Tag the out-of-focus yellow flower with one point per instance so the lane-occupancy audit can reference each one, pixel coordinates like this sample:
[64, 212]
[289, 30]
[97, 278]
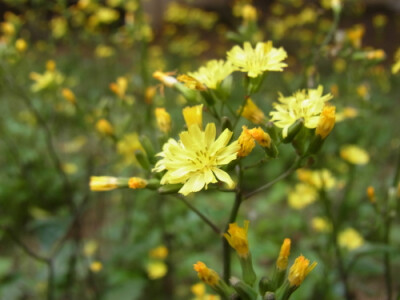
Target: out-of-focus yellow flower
[396, 64]
[354, 155]
[156, 269]
[90, 248]
[119, 87]
[249, 13]
[195, 159]
[326, 121]
[127, 145]
[252, 113]
[299, 270]
[301, 196]
[8, 29]
[69, 95]
[160, 252]
[307, 105]
[193, 115]
[70, 168]
[137, 183]
[355, 35]
[213, 73]
[379, 20]
[104, 183]
[59, 27]
[21, 45]
[318, 178]
[74, 145]
[96, 266]
[347, 113]
[378, 54]
[237, 238]
[107, 15]
[350, 239]
[255, 61]
[199, 290]
[191, 82]
[262, 137]
[104, 127]
[50, 77]
[339, 65]
[321, 224]
[165, 78]
[371, 194]
[284, 253]
[205, 274]
[149, 94]
[104, 51]
[246, 142]
[163, 119]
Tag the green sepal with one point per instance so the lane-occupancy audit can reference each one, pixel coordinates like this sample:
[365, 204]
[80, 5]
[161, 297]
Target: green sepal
[142, 159]
[170, 188]
[264, 285]
[315, 145]
[248, 274]
[245, 291]
[148, 148]
[293, 130]
[190, 95]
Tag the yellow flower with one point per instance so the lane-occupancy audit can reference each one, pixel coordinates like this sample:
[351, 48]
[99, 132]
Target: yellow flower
[127, 145]
[246, 142]
[237, 238]
[103, 51]
[396, 64]
[163, 119]
[160, 252]
[213, 73]
[195, 159]
[302, 196]
[69, 95]
[193, 115]
[379, 20]
[347, 113]
[249, 12]
[354, 155]
[96, 266]
[264, 57]
[104, 127]
[90, 248]
[198, 289]
[106, 15]
[350, 239]
[149, 94]
[371, 194]
[307, 105]
[376, 54]
[321, 224]
[355, 35]
[49, 78]
[252, 113]
[156, 269]
[103, 183]
[205, 274]
[191, 82]
[21, 45]
[59, 27]
[282, 260]
[299, 270]
[119, 87]
[261, 137]
[137, 183]
[165, 78]
[326, 121]
[318, 178]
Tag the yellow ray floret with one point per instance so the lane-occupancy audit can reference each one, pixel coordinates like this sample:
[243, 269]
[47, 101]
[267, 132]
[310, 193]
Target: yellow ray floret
[195, 159]
[255, 61]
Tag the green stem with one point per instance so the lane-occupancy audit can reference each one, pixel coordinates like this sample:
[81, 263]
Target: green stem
[289, 171]
[200, 214]
[240, 112]
[334, 239]
[226, 249]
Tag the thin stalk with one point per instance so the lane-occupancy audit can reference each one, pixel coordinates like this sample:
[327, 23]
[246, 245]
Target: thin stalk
[240, 112]
[289, 171]
[226, 249]
[200, 214]
[334, 239]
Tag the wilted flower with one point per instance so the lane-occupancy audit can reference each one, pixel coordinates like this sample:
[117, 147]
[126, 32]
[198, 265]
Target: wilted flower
[163, 119]
[205, 274]
[299, 270]
[251, 112]
[237, 238]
